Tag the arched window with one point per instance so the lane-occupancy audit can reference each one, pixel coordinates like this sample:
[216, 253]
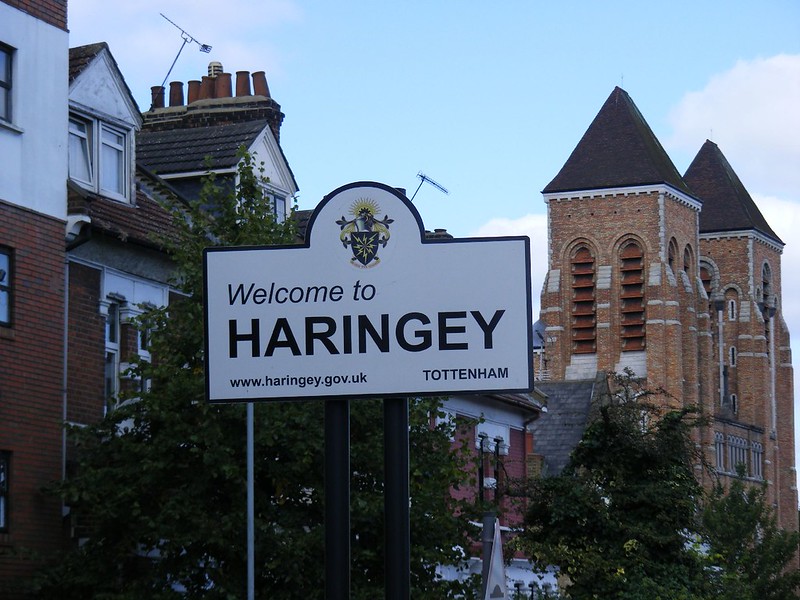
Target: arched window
[672, 255]
[757, 459]
[732, 354]
[734, 403]
[731, 309]
[632, 307]
[584, 318]
[737, 453]
[719, 450]
[707, 277]
[688, 261]
[766, 281]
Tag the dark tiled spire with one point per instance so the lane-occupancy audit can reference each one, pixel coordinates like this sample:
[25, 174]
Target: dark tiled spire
[727, 206]
[618, 150]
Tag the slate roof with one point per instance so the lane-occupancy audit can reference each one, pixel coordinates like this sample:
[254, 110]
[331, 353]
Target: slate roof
[185, 149]
[727, 206]
[618, 150]
[557, 432]
[81, 56]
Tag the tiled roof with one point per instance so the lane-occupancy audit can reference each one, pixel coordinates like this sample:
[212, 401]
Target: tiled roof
[81, 56]
[144, 222]
[618, 150]
[727, 206]
[186, 149]
[557, 432]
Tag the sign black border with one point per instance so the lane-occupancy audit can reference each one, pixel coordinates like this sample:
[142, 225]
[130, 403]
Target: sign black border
[307, 244]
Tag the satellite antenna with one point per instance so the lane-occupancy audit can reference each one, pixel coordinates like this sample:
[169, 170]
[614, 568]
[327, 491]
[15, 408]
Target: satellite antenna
[186, 39]
[425, 179]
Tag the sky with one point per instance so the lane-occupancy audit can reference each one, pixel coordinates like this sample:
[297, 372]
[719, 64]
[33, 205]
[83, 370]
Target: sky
[489, 99]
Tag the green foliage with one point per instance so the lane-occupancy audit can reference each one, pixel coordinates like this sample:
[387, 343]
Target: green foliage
[616, 521]
[750, 557]
[160, 482]
[628, 520]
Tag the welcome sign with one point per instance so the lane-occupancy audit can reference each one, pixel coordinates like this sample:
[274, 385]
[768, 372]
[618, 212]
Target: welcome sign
[368, 306]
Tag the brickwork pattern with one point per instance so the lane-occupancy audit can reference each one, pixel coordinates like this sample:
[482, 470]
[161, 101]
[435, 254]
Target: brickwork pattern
[53, 12]
[86, 343]
[31, 391]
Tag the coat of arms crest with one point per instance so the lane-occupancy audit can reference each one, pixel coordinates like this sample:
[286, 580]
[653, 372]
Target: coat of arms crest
[365, 232]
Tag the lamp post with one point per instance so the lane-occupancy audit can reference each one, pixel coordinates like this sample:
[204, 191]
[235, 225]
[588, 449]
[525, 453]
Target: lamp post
[497, 442]
[482, 437]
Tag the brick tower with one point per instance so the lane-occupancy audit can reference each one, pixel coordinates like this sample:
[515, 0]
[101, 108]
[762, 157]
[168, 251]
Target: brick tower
[677, 279]
[751, 387]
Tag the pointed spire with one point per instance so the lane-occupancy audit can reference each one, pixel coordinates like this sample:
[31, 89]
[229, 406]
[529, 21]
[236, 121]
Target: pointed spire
[727, 206]
[618, 150]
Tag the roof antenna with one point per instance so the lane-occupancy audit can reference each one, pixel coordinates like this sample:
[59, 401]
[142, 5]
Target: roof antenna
[186, 39]
[423, 179]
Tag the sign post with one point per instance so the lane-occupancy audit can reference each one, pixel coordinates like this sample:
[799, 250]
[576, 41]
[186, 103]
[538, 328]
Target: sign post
[368, 307]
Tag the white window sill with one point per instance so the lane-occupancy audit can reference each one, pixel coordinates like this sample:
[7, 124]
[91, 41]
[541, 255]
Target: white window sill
[11, 127]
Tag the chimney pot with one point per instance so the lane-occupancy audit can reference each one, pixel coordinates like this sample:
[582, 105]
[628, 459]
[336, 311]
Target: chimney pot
[176, 93]
[260, 87]
[207, 88]
[242, 83]
[223, 86]
[157, 96]
[194, 91]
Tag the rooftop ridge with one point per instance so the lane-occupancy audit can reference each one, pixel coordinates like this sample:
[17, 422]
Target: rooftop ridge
[618, 150]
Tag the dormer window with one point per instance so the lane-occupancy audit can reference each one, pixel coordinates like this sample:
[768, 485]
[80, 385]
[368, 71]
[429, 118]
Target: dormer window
[98, 156]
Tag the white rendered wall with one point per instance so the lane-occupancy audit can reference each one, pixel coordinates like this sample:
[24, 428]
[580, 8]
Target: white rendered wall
[33, 148]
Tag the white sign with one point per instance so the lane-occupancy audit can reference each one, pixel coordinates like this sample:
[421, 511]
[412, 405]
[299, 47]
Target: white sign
[368, 307]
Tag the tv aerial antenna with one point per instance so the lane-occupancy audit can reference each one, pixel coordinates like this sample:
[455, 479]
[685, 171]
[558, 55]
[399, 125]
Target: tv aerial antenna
[425, 179]
[187, 38]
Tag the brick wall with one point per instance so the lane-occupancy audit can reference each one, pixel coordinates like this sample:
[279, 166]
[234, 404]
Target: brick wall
[53, 12]
[31, 375]
[86, 344]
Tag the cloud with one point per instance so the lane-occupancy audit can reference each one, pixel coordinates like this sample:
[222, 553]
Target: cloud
[535, 227]
[750, 112]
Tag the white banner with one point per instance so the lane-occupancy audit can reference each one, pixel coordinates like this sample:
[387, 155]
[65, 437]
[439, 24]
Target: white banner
[368, 307]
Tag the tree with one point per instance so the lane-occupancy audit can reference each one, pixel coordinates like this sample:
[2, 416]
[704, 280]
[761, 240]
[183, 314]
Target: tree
[160, 482]
[618, 520]
[749, 555]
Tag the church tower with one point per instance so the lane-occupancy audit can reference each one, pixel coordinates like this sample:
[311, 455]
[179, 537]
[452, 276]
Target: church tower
[751, 392]
[622, 288]
[678, 280]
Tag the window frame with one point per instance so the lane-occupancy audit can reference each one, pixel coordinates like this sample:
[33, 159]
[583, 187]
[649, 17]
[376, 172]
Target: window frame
[7, 288]
[732, 312]
[757, 460]
[112, 309]
[7, 83]
[96, 145]
[719, 450]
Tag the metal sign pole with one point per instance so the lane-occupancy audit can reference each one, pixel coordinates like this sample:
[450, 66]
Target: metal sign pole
[397, 542]
[251, 536]
[337, 500]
